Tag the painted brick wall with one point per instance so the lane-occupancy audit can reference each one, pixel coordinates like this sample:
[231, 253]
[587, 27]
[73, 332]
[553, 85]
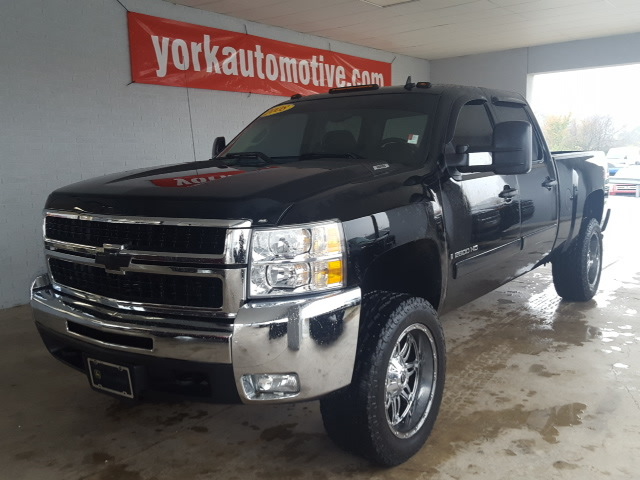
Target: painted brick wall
[68, 112]
[512, 69]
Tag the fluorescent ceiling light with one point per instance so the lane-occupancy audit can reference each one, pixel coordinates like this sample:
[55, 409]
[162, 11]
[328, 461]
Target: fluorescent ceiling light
[387, 3]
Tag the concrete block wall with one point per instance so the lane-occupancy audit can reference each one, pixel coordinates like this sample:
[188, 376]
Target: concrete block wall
[512, 69]
[68, 111]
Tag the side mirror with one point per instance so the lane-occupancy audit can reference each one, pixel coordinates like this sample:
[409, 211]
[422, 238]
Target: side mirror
[512, 148]
[218, 145]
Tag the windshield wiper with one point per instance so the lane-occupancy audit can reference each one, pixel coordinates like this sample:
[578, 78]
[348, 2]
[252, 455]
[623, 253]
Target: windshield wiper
[308, 155]
[255, 158]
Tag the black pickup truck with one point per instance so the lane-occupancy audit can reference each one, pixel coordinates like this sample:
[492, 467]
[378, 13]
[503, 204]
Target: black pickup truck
[309, 259]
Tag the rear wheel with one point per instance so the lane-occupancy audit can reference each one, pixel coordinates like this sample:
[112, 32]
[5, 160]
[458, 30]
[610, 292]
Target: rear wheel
[388, 411]
[576, 272]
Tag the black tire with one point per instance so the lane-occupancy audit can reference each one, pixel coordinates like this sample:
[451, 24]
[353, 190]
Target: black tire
[576, 272]
[389, 410]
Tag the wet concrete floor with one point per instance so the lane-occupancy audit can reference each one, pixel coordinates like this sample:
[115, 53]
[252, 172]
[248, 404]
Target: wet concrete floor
[536, 388]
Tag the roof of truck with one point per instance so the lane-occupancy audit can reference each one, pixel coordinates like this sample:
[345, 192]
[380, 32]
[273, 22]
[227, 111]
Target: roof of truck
[453, 91]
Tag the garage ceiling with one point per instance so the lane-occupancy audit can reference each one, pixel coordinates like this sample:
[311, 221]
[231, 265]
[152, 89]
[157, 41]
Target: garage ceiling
[433, 29]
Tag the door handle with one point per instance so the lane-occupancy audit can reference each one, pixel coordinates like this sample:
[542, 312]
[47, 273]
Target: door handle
[508, 192]
[549, 182]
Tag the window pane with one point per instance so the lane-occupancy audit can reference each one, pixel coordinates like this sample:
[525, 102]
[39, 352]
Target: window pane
[279, 137]
[405, 128]
[473, 127]
[388, 127]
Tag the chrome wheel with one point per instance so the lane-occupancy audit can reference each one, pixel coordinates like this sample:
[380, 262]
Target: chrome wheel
[389, 410]
[593, 259]
[410, 380]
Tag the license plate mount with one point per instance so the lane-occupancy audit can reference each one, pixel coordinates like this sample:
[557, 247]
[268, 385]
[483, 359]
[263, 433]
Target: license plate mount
[110, 377]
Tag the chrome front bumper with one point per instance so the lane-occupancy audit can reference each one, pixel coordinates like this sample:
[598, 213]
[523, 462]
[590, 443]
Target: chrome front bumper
[313, 337]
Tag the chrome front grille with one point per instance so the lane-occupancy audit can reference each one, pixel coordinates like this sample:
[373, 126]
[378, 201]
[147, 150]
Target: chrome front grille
[169, 266]
[178, 290]
[137, 236]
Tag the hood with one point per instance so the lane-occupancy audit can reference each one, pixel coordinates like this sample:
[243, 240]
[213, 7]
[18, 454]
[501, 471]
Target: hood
[211, 190]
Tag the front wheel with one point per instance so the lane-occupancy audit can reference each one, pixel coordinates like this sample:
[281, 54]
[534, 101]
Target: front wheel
[576, 272]
[388, 411]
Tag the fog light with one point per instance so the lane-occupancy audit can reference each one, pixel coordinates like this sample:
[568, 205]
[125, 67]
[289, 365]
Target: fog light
[276, 383]
[264, 383]
[271, 385]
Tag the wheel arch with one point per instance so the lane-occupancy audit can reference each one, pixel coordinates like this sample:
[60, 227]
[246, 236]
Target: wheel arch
[414, 268]
[594, 206]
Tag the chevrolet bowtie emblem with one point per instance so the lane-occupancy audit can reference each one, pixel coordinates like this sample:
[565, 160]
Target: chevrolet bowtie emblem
[112, 258]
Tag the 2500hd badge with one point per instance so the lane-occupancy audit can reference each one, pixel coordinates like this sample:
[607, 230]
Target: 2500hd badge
[464, 252]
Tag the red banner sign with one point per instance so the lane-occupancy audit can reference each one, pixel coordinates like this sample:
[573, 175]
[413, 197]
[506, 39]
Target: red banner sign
[167, 52]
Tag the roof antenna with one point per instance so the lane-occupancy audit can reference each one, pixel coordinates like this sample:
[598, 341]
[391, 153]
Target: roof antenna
[408, 85]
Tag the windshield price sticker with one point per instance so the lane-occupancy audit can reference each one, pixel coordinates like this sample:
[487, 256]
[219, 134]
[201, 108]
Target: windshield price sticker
[278, 109]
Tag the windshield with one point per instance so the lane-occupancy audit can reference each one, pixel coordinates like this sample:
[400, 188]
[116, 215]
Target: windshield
[393, 128]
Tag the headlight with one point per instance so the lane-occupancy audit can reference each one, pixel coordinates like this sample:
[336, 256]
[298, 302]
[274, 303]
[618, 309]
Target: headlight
[292, 260]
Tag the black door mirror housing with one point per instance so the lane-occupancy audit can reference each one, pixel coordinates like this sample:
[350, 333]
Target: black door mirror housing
[512, 148]
[219, 144]
[459, 157]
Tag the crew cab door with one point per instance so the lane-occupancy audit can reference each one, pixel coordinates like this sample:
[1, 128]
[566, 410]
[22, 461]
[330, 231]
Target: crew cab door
[481, 212]
[538, 188]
